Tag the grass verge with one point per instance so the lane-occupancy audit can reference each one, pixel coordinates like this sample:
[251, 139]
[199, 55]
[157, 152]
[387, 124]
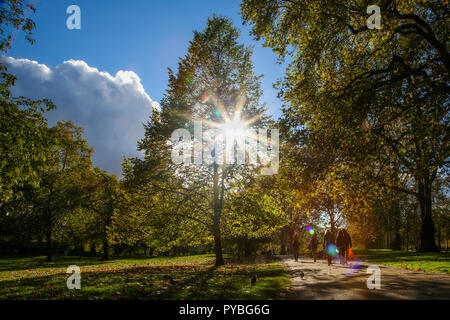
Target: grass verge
[193, 277]
[418, 261]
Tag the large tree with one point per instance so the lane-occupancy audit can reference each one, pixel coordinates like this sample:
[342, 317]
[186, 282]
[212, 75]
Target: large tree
[215, 84]
[56, 193]
[366, 97]
[23, 127]
[95, 194]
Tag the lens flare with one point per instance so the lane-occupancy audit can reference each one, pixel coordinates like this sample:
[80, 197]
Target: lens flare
[332, 250]
[310, 230]
[354, 267]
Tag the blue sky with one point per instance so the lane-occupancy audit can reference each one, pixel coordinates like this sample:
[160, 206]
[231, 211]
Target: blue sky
[143, 36]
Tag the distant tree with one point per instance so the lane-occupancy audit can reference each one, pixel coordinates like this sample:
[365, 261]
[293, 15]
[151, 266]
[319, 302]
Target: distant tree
[441, 207]
[251, 216]
[292, 189]
[99, 192]
[156, 220]
[57, 194]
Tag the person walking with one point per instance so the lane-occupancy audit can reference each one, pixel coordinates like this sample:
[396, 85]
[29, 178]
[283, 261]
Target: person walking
[313, 243]
[349, 243]
[328, 241]
[344, 243]
[295, 245]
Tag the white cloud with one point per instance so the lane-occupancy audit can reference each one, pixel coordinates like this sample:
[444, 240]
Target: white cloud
[111, 109]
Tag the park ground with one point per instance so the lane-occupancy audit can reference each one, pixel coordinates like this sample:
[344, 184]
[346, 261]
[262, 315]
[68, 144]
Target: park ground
[403, 276]
[189, 277]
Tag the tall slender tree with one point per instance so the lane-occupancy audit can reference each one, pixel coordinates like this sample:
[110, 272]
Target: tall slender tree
[215, 84]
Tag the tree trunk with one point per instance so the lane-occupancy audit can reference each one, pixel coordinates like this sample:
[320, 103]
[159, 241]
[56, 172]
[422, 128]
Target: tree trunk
[427, 242]
[407, 232]
[396, 242]
[217, 211]
[92, 249]
[49, 237]
[218, 248]
[332, 221]
[283, 241]
[105, 255]
[248, 249]
[80, 250]
[446, 241]
[439, 239]
[49, 246]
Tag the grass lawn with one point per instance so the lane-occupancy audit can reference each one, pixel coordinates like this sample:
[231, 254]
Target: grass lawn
[194, 277]
[431, 262]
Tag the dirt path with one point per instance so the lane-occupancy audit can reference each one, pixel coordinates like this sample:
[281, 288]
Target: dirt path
[339, 282]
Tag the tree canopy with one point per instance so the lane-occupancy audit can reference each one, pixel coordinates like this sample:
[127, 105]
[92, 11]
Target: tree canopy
[363, 97]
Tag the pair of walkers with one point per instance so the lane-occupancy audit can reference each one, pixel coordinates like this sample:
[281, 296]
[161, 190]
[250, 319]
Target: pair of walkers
[313, 244]
[342, 241]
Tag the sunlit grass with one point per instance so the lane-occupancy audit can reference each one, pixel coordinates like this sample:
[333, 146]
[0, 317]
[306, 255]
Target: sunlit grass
[194, 277]
[430, 262]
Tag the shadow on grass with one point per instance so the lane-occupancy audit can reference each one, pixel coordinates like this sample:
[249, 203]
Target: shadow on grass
[13, 263]
[155, 282]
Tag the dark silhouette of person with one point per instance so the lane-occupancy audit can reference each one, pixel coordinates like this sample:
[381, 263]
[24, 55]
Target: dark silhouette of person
[295, 245]
[328, 239]
[313, 243]
[344, 243]
[349, 241]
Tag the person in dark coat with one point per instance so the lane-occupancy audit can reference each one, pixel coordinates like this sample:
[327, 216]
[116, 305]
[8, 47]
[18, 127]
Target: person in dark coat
[328, 239]
[344, 243]
[295, 245]
[313, 243]
[349, 241]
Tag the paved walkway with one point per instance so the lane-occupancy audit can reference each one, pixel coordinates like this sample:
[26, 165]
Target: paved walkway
[338, 282]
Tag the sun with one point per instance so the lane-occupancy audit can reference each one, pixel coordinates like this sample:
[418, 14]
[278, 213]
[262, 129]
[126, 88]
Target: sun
[233, 128]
